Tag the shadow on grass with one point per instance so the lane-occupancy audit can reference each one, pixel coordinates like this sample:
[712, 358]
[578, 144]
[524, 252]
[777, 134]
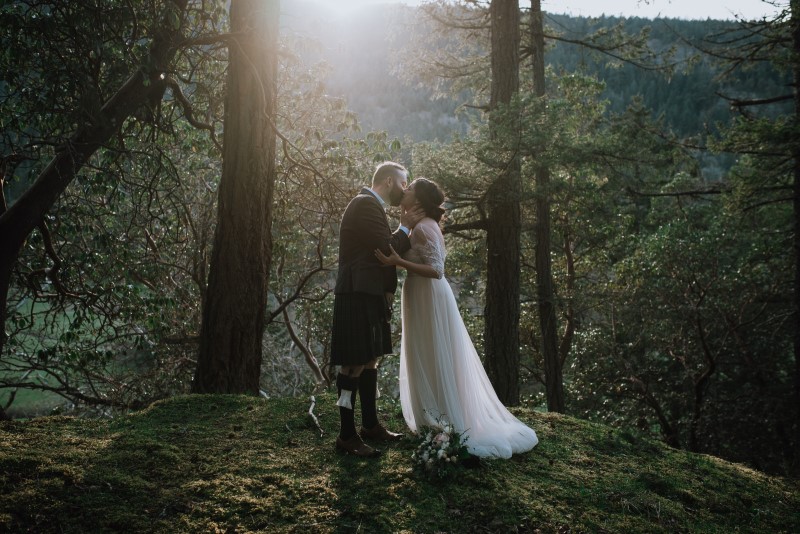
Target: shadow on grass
[229, 463]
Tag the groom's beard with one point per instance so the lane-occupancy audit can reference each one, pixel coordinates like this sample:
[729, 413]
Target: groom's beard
[395, 196]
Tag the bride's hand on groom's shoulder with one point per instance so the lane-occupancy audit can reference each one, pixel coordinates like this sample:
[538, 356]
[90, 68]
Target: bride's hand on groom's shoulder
[410, 218]
[392, 259]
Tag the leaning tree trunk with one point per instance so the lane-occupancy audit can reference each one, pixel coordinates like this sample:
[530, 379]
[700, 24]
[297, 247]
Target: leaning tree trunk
[503, 227]
[544, 277]
[229, 359]
[144, 87]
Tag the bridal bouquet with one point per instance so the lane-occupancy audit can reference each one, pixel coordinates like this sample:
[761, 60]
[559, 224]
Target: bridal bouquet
[441, 450]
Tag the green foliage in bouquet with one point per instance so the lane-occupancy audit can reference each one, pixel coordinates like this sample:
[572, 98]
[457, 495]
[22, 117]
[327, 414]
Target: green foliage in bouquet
[441, 451]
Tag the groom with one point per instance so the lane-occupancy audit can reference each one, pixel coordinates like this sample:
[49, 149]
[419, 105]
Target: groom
[363, 304]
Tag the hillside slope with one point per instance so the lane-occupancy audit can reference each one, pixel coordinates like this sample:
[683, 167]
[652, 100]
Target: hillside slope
[244, 464]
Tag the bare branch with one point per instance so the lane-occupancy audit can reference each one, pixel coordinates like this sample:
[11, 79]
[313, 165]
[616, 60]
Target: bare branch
[460, 227]
[307, 354]
[172, 83]
[314, 417]
[694, 193]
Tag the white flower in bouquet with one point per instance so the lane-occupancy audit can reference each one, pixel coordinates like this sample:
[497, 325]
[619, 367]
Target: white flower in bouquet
[441, 449]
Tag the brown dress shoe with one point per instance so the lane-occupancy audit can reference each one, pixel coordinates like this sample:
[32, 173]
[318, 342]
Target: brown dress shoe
[356, 447]
[379, 433]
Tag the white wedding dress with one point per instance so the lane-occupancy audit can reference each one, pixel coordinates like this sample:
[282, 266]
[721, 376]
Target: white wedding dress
[442, 379]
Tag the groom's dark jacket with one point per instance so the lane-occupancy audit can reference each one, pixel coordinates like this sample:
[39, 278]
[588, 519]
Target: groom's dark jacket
[365, 228]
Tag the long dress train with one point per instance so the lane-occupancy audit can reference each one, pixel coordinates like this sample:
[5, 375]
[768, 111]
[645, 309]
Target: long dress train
[441, 376]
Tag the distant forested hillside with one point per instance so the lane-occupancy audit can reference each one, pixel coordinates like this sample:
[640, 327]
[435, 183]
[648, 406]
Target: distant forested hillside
[361, 51]
[690, 100]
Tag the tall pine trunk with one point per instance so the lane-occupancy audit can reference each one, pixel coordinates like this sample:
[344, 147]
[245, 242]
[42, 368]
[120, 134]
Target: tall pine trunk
[795, 21]
[544, 276]
[503, 228]
[234, 306]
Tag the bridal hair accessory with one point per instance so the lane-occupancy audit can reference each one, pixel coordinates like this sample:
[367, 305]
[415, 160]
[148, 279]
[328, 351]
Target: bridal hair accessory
[344, 399]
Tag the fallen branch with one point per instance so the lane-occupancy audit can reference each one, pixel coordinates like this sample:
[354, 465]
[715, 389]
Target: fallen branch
[314, 417]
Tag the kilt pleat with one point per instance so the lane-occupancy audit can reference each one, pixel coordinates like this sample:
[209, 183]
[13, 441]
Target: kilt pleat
[361, 330]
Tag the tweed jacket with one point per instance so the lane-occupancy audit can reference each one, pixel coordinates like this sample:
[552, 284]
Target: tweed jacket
[363, 229]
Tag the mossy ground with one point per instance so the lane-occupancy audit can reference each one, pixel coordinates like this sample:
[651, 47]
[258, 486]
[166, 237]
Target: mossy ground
[242, 464]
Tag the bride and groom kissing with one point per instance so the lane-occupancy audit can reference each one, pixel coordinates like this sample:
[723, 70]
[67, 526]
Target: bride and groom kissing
[442, 380]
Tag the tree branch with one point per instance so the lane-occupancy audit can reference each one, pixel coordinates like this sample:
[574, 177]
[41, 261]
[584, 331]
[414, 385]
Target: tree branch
[694, 193]
[309, 356]
[460, 227]
[172, 83]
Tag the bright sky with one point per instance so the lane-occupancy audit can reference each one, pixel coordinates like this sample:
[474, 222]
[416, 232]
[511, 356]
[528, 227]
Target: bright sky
[683, 9]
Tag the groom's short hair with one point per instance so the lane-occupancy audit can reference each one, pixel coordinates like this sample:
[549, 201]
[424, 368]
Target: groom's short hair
[385, 170]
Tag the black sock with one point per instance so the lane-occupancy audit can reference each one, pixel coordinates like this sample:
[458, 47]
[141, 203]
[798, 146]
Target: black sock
[367, 389]
[347, 415]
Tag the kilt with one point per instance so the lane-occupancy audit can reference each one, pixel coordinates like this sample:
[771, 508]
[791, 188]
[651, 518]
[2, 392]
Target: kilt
[361, 330]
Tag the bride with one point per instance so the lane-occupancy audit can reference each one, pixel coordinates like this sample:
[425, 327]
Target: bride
[441, 377]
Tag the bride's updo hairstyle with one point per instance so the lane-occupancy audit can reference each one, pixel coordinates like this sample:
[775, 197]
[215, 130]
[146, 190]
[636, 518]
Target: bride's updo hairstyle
[430, 197]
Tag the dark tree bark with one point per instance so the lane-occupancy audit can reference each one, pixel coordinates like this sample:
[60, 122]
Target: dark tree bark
[143, 87]
[503, 226]
[548, 322]
[795, 21]
[234, 307]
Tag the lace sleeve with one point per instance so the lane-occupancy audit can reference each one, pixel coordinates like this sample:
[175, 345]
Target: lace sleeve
[428, 242]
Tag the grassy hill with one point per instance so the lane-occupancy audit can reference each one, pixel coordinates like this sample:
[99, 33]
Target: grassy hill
[244, 464]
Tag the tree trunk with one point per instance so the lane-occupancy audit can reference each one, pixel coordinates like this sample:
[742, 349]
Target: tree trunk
[544, 278]
[795, 21]
[554, 382]
[503, 226]
[143, 87]
[234, 307]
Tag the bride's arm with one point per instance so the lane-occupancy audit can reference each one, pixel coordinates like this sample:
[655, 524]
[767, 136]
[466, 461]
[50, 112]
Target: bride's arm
[394, 258]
